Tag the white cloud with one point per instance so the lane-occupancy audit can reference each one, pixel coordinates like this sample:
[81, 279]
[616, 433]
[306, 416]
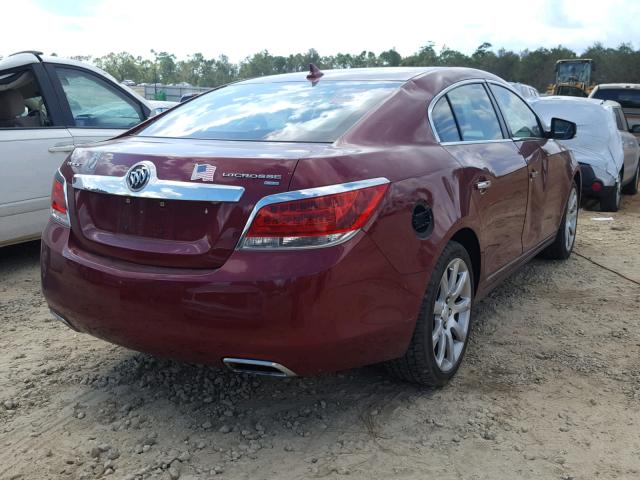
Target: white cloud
[241, 28]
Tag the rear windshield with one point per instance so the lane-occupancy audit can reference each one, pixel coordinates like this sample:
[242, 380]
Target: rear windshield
[627, 97]
[278, 112]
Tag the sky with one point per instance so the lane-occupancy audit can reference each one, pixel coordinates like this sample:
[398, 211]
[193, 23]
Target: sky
[240, 28]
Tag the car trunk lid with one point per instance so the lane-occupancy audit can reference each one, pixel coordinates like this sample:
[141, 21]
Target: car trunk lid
[157, 225]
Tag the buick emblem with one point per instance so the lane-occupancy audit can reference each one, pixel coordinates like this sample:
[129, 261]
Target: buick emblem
[138, 177]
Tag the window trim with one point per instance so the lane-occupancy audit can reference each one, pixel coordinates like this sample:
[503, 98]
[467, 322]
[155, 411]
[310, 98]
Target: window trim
[535, 115]
[444, 92]
[69, 120]
[453, 115]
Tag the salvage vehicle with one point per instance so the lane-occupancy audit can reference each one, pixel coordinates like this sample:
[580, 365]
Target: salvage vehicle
[628, 96]
[298, 224]
[609, 155]
[49, 105]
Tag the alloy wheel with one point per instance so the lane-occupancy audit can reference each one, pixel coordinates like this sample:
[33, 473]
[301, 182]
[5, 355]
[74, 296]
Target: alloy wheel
[571, 219]
[451, 315]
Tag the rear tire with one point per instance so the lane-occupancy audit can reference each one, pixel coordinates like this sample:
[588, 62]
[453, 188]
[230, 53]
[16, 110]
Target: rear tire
[632, 188]
[610, 202]
[442, 329]
[562, 246]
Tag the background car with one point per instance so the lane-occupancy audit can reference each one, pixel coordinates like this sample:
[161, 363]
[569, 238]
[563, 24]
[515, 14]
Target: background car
[188, 96]
[627, 95]
[607, 152]
[48, 106]
[160, 106]
[526, 91]
[299, 224]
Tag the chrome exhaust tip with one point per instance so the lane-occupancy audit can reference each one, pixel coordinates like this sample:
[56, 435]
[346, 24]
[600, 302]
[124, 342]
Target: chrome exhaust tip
[60, 318]
[257, 367]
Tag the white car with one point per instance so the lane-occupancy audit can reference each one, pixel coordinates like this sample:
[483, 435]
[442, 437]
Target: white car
[159, 106]
[609, 155]
[526, 91]
[48, 106]
[628, 96]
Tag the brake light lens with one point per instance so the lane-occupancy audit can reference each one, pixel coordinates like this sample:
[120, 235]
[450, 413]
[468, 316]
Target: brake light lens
[59, 200]
[317, 218]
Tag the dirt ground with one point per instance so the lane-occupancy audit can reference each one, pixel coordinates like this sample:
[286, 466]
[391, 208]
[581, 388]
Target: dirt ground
[550, 389]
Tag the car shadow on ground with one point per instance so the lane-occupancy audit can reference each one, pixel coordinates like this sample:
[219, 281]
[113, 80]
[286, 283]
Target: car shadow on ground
[20, 255]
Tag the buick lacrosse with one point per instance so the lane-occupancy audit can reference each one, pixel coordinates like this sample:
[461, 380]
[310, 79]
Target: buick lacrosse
[306, 223]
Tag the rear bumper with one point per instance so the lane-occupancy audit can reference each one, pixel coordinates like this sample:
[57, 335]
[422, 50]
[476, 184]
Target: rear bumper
[590, 175]
[310, 311]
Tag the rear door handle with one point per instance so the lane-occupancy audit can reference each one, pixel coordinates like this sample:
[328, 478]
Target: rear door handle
[533, 174]
[482, 185]
[62, 147]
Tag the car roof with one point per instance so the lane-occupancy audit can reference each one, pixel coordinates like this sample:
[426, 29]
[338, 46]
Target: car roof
[606, 86]
[398, 74]
[27, 58]
[568, 103]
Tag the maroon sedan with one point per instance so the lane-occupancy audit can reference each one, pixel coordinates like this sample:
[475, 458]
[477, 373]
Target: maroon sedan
[298, 224]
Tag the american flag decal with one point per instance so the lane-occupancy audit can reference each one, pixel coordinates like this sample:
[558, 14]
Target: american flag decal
[203, 171]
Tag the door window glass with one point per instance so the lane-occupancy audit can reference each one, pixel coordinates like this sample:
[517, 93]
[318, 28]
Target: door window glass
[476, 116]
[444, 122]
[94, 103]
[21, 102]
[520, 119]
[620, 120]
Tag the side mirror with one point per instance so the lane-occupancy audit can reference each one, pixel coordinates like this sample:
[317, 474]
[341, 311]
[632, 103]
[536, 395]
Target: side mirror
[635, 128]
[562, 129]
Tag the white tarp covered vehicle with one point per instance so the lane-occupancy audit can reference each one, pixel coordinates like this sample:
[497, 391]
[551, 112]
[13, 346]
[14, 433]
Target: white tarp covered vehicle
[608, 154]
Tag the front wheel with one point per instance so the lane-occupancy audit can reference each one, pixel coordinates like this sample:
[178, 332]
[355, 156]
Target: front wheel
[562, 246]
[442, 329]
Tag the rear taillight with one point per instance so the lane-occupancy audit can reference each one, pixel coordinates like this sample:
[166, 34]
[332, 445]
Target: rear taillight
[59, 200]
[316, 217]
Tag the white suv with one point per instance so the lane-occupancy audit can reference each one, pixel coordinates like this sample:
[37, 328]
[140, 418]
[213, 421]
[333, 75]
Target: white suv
[628, 96]
[48, 106]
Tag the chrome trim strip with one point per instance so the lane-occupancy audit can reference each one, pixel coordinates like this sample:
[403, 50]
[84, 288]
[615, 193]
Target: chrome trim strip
[158, 189]
[284, 371]
[60, 318]
[473, 142]
[307, 193]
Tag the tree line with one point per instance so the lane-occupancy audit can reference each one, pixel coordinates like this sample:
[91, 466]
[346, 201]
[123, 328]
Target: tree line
[533, 67]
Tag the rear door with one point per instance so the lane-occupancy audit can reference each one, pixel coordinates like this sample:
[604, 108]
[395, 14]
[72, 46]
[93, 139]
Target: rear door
[545, 168]
[629, 146]
[95, 108]
[469, 128]
[33, 145]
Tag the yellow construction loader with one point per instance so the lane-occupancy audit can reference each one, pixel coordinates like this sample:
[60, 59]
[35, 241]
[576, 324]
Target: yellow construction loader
[573, 77]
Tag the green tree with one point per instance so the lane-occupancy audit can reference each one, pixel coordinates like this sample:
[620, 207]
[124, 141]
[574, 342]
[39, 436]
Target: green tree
[390, 58]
